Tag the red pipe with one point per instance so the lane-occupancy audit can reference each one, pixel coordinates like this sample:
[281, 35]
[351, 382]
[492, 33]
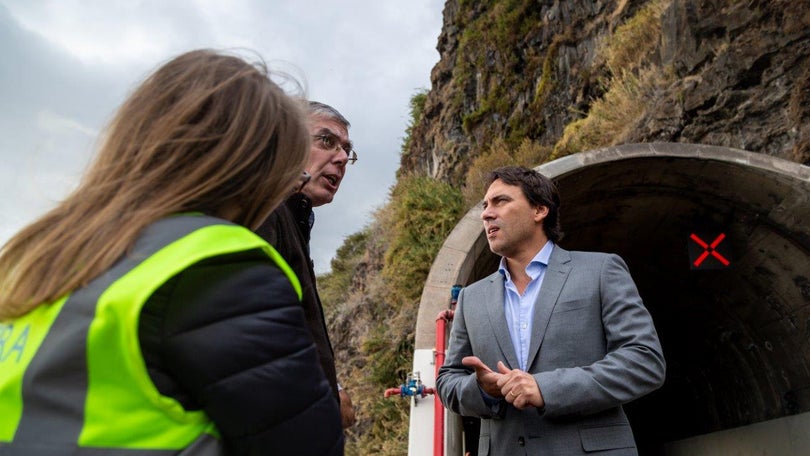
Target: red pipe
[442, 320]
[392, 391]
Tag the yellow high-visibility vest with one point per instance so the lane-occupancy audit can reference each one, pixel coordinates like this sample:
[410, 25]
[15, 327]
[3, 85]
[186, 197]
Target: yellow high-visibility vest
[72, 376]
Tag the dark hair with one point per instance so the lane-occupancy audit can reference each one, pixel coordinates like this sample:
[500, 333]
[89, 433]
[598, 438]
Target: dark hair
[538, 189]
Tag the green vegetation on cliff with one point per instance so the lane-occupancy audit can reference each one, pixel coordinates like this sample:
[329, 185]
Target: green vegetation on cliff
[523, 82]
[379, 318]
[630, 83]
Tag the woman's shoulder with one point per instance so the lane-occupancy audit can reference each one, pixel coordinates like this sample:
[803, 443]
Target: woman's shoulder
[227, 286]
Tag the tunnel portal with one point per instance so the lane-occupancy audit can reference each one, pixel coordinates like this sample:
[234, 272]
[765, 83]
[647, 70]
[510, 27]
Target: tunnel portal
[718, 242]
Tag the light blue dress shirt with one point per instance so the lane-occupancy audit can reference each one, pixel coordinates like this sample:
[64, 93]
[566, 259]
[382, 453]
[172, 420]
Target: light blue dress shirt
[519, 309]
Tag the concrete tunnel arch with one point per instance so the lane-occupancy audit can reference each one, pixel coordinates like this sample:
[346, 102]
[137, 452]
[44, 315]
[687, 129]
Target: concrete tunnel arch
[736, 338]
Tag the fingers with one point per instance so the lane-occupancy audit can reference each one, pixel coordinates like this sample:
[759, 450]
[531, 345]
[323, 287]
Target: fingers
[522, 391]
[508, 376]
[510, 388]
[516, 397]
[487, 379]
[520, 401]
[518, 388]
[475, 363]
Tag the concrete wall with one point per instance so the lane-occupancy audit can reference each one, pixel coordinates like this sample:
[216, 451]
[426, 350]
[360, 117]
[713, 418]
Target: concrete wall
[735, 340]
[789, 436]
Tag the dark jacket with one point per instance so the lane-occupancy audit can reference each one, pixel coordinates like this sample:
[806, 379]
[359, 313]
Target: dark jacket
[227, 336]
[288, 230]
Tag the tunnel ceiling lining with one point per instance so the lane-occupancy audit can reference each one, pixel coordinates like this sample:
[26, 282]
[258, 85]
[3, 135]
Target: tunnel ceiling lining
[737, 339]
[752, 319]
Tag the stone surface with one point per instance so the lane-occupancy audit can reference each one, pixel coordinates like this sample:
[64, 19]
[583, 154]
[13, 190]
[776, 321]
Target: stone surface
[741, 78]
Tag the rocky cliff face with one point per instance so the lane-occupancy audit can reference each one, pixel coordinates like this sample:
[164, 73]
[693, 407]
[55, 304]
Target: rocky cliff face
[720, 72]
[568, 75]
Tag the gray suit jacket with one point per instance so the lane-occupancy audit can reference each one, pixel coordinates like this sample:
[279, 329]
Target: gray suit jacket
[593, 348]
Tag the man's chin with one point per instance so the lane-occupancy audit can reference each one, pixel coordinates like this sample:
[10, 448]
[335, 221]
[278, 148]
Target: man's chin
[320, 198]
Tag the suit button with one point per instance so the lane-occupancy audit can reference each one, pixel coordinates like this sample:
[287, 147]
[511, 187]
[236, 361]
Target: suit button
[521, 441]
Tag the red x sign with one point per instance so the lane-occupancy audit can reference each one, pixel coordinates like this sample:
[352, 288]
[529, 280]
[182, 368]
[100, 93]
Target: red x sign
[700, 251]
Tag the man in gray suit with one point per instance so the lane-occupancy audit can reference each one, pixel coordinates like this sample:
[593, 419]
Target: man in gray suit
[548, 348]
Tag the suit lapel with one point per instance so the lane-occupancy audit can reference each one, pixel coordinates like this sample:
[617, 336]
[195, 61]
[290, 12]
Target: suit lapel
[497, 319]
[559, 267]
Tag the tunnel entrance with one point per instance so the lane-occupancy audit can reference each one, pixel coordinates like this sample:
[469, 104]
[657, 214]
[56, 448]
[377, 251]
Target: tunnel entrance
[733, 314]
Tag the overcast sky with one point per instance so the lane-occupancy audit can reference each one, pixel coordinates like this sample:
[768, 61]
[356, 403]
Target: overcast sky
[68, 64]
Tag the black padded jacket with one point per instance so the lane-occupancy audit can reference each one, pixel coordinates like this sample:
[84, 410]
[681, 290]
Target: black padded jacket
[288, 230]
[228, 336]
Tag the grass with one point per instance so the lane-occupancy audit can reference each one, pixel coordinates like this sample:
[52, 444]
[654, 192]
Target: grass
[628, 88]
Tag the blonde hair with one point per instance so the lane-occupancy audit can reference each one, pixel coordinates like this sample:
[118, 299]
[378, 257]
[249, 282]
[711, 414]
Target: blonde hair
[206, 132]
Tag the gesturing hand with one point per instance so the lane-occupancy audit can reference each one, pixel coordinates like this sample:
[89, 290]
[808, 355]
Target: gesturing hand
[487, 378]
[519, 388]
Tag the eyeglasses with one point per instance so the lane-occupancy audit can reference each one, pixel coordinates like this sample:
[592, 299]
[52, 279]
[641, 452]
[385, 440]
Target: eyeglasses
[302, 181]
[331, 142]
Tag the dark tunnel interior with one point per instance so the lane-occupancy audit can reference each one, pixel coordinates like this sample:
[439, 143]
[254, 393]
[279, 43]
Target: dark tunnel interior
[736, 337]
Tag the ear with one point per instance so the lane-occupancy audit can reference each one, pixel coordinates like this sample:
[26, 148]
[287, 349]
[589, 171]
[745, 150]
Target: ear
[540, 213]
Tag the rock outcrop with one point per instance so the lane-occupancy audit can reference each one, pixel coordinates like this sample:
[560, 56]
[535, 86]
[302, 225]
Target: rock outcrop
[569, 75]
[727, 72]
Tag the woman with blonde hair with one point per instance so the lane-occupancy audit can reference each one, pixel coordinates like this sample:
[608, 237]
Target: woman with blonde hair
[141, 316]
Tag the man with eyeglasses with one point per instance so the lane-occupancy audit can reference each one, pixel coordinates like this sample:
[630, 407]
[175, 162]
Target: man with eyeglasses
[289, 227]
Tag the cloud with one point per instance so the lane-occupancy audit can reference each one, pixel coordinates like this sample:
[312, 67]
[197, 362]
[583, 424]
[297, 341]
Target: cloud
[68, 64]
[56, 124]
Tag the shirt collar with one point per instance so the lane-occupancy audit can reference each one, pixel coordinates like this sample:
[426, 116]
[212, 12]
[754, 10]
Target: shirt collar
[535, 266]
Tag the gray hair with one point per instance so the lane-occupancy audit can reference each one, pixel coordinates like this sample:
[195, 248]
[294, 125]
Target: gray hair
[321, 109]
